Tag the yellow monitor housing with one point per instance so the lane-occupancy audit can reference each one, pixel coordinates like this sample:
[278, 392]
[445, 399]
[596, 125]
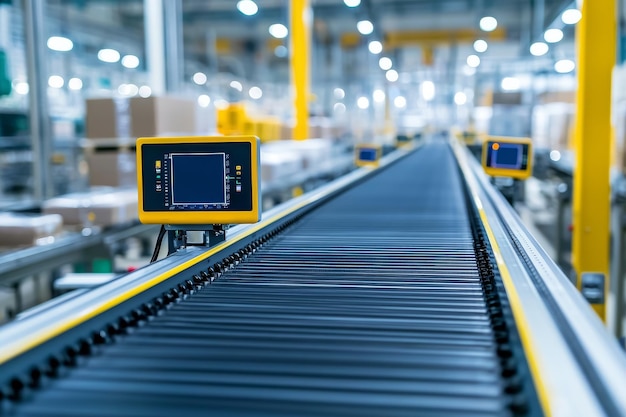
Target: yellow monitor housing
[403, 140]
[198, 180]
[507, 157]
[367, 155]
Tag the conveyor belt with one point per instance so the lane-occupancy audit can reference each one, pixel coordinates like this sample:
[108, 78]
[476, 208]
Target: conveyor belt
[372, 305]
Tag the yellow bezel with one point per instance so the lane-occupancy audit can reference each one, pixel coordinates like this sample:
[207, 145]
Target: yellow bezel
[502, 172]
[361, 163]
[200, 217]
[404, 143]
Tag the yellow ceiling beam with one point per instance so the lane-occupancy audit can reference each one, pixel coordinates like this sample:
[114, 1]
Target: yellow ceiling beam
[400, 39]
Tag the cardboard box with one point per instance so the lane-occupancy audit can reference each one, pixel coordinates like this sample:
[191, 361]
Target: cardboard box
[107, 118]
[99, 207]
[111, 162]
[18, 229]
[286, 131]
[112, 168]
[160, 116]
[278, 165]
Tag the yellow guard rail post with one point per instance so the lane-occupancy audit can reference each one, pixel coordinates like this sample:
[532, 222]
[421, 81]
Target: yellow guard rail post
[596, 39]
[300, 15]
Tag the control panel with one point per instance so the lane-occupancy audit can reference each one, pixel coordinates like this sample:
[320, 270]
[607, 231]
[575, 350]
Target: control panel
[198, 180]
[367, 155]
[507, 157]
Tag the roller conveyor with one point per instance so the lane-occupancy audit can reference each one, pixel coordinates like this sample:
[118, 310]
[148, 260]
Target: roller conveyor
[385, 300]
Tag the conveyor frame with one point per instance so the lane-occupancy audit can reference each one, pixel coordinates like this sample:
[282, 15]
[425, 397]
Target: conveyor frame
[590, 361]
[576, 373]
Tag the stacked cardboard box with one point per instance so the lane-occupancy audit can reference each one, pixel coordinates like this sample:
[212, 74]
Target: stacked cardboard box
[107, 118]
[111, 162]
[162, 116]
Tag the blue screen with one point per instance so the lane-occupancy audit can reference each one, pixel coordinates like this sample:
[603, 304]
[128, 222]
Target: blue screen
[198, 178]
[367, 154]
[508, 156]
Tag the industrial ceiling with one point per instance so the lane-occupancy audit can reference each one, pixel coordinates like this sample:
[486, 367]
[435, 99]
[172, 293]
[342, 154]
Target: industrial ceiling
[217, 27]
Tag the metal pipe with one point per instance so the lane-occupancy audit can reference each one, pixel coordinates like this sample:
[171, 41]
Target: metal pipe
[173, 26]
[40, 130]
[618, 267]
[5, 25]
[154, 38]
[539, 15]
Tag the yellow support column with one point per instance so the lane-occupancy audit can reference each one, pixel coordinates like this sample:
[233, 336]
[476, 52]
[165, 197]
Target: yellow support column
[300, 14]
[597, 37]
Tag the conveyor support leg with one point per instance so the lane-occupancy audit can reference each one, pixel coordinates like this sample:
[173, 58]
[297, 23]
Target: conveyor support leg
[299, 51]
[596, 38]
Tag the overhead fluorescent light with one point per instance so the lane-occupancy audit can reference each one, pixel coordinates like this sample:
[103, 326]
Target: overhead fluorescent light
[108, 55]
[60, 43]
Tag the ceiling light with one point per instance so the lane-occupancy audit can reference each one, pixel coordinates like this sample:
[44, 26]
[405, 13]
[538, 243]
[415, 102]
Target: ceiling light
[22, 88]
[339, 93]
[339, 108]
[60, 43]
[571, 16]
[363, 103]
[130, 61]
[399, 102]
[75, 84]
[555, 155]
[469, 71]
[145, 91]
[539, 48]
[199, 78]
[379, 96]
[488, 23]
[281, 51]
[128, 90]
[247, 7]
[473, 61]
[375, 47]
[480, 45]
[365, 27]
[392, 76]
[255, 93]
[564, 66]
[221, 104]
[56, 81]
[236, 85]
[204, 100]
[352, 3]
[428, 90]
[510, 84]
[278, 30]
[108, 55]
[385, 63]
[460, 98]
[553, 35]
